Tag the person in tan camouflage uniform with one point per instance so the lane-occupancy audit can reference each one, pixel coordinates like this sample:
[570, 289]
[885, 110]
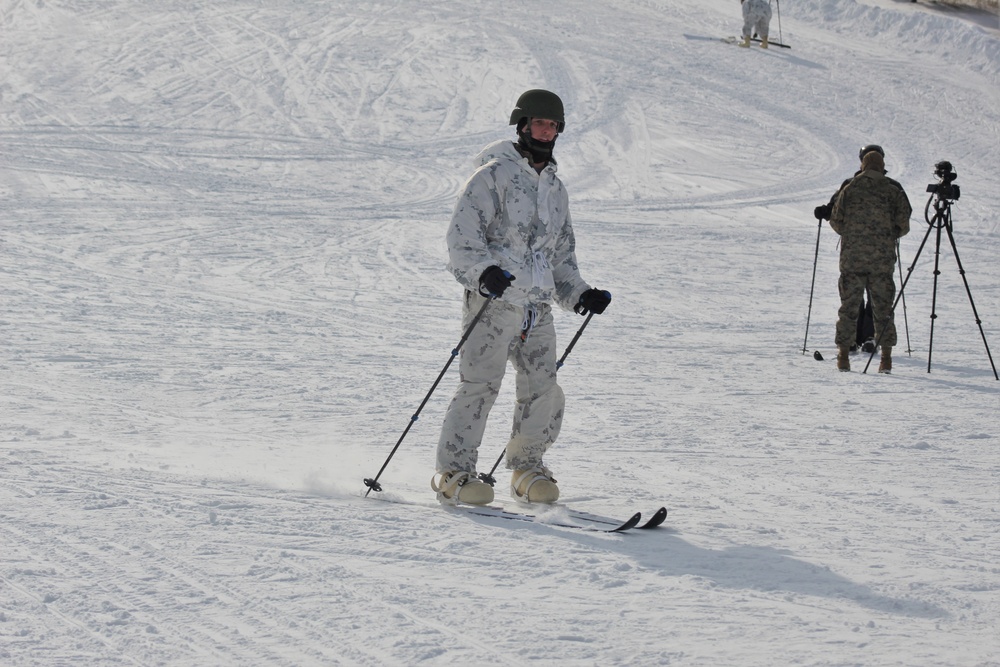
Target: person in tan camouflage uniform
[511, 241]
[865, 337]
[870, 213]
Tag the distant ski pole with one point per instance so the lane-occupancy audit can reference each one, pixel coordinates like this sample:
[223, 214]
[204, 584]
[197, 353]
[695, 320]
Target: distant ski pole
[819, 230]
[778, 4]
[372, 482]
[488, 476]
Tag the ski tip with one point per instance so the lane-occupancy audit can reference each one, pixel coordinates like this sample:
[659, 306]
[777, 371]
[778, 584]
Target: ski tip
[658, 518]
[628, 525]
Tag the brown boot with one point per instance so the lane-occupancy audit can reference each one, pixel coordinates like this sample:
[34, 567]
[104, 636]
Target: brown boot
[885, 365]
[843, 358]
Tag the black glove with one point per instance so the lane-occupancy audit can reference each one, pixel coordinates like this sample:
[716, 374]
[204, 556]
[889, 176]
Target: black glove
[593, 300]
[494, 281]
[822, 212]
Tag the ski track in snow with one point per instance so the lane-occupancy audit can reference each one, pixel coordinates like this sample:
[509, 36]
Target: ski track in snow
[224, 295]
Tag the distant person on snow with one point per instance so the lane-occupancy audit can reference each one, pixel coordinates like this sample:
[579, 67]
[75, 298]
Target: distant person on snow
[865, 334]
[870, 213]
[756, 19]
[511, 241]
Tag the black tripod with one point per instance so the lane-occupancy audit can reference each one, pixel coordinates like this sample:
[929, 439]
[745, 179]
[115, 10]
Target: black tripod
[942, 197]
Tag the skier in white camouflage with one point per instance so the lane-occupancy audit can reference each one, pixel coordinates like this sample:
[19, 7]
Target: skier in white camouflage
[756, 18]
[511, 241]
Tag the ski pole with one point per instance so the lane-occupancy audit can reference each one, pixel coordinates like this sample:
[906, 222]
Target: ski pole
[488, 476]
[569, 348]
[906, 324]
[780, 38]
[372, 483]
[819, 229]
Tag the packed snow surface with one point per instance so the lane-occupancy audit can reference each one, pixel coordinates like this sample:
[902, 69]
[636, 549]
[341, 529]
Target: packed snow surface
[224, 297]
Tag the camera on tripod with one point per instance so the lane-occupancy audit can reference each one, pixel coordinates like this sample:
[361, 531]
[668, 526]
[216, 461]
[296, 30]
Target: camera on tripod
[946, 189]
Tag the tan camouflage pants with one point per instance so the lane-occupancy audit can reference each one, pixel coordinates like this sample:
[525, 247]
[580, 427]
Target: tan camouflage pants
[852, 289]
[538, 412]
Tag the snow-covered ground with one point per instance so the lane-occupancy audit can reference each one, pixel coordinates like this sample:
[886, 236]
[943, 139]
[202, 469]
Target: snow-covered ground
[224, 296]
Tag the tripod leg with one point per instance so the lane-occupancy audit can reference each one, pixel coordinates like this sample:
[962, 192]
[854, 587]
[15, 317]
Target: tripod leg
[906, 323]
[937, 272]
[975, 313]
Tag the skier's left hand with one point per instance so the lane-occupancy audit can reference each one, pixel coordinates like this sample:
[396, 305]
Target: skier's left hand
[593, 300]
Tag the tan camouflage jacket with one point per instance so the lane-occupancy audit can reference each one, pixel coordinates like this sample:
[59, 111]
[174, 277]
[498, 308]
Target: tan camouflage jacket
[871, 212]
[512, 216]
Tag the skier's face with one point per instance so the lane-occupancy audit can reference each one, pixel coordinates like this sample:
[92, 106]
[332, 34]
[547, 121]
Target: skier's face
[543, 129]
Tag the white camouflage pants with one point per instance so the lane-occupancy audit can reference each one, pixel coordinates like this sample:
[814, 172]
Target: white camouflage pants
[756, 17]
[538, 412]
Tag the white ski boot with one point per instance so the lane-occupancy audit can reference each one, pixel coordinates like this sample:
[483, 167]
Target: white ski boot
[534, 485]
[462, 487]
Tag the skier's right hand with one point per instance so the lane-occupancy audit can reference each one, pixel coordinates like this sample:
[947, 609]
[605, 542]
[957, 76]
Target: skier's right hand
[593, 301]
[822, 212]
[494, 281]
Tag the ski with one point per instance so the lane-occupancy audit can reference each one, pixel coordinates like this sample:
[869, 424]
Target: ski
[738, 40]
[589, 522]
[613, 526]
[657, 519]
[770, 43]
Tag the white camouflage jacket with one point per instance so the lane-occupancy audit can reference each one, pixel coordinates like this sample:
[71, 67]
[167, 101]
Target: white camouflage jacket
[518, 219]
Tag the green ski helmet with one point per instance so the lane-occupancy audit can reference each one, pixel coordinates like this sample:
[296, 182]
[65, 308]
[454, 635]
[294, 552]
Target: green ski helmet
[538, 103]
[868, 149]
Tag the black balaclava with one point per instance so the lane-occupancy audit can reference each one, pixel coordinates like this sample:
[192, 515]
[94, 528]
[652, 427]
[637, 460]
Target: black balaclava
[540, 151]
